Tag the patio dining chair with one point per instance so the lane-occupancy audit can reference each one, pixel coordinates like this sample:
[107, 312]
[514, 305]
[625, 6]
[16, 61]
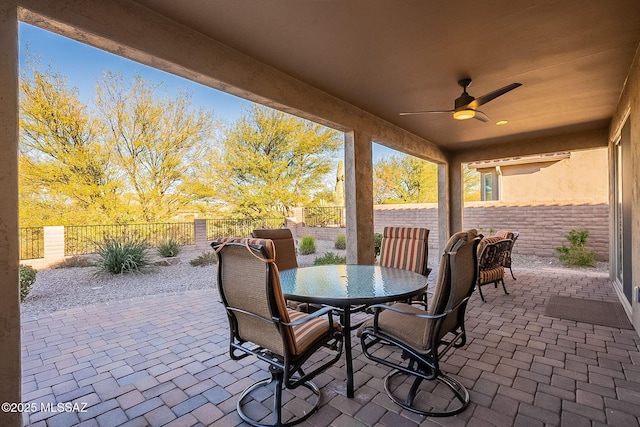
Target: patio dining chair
[422, 339]
[285, 246]
[262, 326]
[513, 236]
[406, 248]
[285, 258]
[491, 253]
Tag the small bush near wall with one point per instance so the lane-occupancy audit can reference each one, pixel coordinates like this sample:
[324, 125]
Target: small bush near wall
[330, 258]
[341, 242]
[307, 245]
[576, 254]
[27, 279]
[169, 249]
[206, 258]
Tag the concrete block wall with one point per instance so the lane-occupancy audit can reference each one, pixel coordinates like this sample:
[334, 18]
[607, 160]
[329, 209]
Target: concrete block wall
[409, 215]
[542, 226]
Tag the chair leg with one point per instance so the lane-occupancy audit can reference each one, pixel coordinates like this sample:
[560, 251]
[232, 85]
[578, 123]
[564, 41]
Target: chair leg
[481, 296]
[413, 391]
[277, 396]
[514, 277]
[504, 287]
[459, 395]
[277, 379]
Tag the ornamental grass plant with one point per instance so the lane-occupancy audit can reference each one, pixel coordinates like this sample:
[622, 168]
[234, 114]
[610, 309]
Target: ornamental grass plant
[122, 255]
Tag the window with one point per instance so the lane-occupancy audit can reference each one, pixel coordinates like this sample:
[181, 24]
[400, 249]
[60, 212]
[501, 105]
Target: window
[487, 186]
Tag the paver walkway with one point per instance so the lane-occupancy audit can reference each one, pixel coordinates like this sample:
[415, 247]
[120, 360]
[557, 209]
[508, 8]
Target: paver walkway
[164, 361]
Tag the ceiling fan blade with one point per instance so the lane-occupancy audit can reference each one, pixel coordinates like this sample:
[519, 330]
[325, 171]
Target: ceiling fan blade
[492, 95]
[481, 116]
[411, 113]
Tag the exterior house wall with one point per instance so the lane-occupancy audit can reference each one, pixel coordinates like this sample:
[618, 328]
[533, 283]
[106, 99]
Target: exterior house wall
[583, 176]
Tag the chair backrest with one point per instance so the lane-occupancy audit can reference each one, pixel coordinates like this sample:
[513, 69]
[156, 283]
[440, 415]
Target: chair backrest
[406, 248]
[512, 236]
[457, 275]
[504, 234]
[285, 246]
[492, 252]
[249, 287]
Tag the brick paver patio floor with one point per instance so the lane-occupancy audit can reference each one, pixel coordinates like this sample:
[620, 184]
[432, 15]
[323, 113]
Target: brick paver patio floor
[164, 361]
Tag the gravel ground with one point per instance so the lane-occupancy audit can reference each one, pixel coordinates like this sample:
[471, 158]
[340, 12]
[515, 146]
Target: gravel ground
[64, 288]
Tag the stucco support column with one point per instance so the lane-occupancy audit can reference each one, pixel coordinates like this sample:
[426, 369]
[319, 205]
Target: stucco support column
[443, 205]
[10, 372]
[359, 197]
[450, 200]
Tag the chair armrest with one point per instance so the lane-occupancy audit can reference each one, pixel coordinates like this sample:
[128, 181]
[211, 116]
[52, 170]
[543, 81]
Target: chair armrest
[326, 309]
[381, 307]
[378, 308]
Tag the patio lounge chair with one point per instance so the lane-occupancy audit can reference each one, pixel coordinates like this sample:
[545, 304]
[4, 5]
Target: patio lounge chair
[491, 253]
[513, 236]
[424, 338]
[261, 325]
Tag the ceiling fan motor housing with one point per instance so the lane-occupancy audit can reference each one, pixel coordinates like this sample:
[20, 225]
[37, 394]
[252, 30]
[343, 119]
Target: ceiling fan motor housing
[463, 101]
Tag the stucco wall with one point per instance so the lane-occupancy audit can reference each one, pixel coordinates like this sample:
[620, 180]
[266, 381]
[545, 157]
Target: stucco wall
[583, 176]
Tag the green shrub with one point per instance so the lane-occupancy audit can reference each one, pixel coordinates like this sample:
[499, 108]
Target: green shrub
[123, 255]
[207, 258]
[27, 279]
[169, 249]
[307, 245]
[377, 242]
[330, 258]
[341, 242]
[576, 254]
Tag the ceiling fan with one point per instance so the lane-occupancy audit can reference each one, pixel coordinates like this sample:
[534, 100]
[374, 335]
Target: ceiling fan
[465, 106]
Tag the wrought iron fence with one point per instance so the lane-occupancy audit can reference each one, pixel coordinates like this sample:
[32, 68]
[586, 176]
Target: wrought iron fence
[84, 239]
[31, 242]
[240, 227]
[324, 216]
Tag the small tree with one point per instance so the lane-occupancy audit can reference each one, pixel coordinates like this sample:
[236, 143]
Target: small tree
[576, 253]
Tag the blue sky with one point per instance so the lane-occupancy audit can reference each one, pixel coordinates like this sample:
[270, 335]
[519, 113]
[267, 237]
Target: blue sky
[84, 65]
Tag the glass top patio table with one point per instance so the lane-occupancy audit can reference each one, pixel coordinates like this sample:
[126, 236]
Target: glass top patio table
[345, 286]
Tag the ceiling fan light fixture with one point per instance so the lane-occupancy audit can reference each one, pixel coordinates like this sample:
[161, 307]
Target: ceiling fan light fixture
[464, 114]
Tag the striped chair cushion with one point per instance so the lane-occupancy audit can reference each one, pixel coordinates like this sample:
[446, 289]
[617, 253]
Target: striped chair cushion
[307, 333]
[491, 275]
[405, 248]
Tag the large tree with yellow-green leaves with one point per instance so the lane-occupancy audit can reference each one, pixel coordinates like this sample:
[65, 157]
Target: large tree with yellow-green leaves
[157, 142]
[134, 156]
[269, 162]
[402, 178]
[66, 173]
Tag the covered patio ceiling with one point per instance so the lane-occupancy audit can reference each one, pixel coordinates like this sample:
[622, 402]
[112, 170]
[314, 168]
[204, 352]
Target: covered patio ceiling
[386, 57]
